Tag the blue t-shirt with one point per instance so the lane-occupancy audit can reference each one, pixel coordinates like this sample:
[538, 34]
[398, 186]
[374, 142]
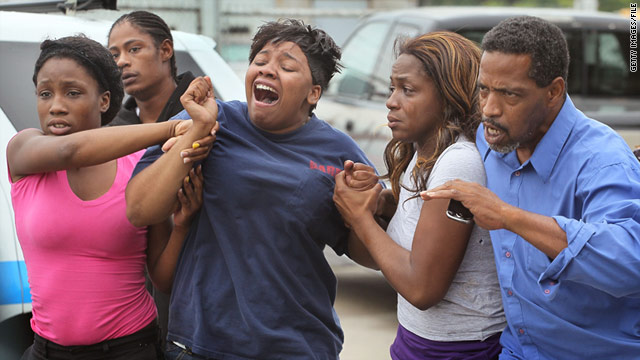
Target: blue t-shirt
[252, 281]
[585, 303]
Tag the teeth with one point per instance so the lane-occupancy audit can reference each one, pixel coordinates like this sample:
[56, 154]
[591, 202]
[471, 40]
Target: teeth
[264, 87]
[59, 126]
[493, 131]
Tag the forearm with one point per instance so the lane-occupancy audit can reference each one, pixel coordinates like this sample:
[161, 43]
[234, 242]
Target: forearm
[396, 264]
[107, 143]
[358, 252]
[151, 194]
[162, 267]
[541, 231]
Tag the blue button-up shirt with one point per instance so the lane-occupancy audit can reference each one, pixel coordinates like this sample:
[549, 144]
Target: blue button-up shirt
[585, 303]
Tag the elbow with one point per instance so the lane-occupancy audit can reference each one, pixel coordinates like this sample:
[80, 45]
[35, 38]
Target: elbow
[135, 212]
[424, 300]
[134, 216]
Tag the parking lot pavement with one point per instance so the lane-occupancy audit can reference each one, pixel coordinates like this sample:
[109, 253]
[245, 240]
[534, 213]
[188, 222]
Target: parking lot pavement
[366, 305]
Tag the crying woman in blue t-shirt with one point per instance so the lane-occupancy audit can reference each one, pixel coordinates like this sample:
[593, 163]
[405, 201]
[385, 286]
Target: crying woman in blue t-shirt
[251, 280]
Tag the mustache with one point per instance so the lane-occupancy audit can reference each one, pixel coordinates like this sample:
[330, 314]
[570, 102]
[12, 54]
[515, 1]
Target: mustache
[493, 123]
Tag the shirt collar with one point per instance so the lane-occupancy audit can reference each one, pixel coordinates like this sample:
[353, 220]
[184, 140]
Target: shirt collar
[548, 149]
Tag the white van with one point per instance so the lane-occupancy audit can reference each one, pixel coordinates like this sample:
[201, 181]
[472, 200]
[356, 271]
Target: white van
[20, 38]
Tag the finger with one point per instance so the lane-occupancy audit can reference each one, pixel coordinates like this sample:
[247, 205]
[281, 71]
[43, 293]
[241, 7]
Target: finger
[340, 179]
[362, 184]
[169, 144]
[438, 194]
[363, 167]
[364, 175]
[187, 185]
[348, 165]
[205, 141]
[184, 202]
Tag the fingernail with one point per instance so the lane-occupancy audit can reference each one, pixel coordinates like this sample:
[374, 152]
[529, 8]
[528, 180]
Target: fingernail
[187, 160]
[213, 132]
[186, 179]
[183, 154]
[195, 145]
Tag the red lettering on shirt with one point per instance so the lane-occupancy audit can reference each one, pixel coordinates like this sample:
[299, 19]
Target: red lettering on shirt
[328, 169]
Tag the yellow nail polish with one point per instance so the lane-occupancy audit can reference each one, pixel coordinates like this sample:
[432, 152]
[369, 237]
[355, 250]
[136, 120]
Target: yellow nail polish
[187, 179]
[195, 145]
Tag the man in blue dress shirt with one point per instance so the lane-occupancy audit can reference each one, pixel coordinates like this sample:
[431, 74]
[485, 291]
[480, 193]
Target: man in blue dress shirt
[562, 204]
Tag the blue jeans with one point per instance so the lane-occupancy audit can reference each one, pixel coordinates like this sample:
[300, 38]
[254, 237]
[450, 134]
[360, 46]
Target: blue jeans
[174, 352]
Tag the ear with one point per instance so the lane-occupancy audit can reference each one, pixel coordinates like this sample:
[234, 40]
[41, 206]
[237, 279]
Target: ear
[314, 94]
[166, 49]
[556, 91]
[105, 101]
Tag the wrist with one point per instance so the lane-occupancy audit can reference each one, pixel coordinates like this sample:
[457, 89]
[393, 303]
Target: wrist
[362, 222]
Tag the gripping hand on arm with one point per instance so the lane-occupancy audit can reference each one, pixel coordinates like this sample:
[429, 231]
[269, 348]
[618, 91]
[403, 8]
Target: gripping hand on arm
[491, 213]
[151, 195]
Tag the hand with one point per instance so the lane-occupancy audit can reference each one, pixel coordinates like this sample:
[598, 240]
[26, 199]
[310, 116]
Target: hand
[200, 148]
[359, 176]
[190, 198]
[200, 103]
[487, 208]
[354, 204]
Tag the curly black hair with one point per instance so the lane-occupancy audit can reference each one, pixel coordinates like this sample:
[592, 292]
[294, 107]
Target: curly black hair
[92, 56]
[154, 26]
[532, 36]
[322, 53]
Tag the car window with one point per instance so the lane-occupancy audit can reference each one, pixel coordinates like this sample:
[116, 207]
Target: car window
[606, 59]
[17, 94]
[360, 56]
[380, 78]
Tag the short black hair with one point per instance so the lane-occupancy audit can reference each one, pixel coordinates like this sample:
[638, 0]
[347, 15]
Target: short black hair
[543, 41]
[153, 25]
[92, 56]
[323, 55]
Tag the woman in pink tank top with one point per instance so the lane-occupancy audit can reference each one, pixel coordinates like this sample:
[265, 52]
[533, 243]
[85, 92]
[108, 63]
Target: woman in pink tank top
[85, 261]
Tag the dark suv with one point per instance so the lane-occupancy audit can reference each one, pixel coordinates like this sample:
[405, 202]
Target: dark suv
[600, 83]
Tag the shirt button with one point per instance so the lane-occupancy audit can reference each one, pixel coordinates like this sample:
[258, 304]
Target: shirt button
[517, 173]
[509, 292]
[507, 254]
[521, 331]
[547, 291]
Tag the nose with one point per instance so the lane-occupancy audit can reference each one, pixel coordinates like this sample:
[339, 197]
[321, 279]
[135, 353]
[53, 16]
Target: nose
[267, 70]
[122, 60]
[392, 101]
[57, 105]
[490, 105]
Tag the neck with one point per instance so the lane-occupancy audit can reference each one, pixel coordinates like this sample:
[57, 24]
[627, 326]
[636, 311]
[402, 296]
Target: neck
[151, 106]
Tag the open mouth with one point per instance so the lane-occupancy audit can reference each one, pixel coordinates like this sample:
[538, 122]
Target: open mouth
[265, 94]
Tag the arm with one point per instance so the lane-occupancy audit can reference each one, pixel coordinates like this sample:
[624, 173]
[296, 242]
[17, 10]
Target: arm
[422, 275]
[151, 194]
[163, 253]
[31, 151]
[491, 213]
[599, 250]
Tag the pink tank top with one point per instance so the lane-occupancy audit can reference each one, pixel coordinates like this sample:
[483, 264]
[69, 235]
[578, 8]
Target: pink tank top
[85, 261]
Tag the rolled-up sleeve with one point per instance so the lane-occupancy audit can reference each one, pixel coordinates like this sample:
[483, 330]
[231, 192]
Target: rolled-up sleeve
[604, 246]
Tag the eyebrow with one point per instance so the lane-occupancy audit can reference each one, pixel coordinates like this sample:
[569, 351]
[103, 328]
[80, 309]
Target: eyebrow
[503, 88]
[64, 83]
[285, 54]
[126, 43]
